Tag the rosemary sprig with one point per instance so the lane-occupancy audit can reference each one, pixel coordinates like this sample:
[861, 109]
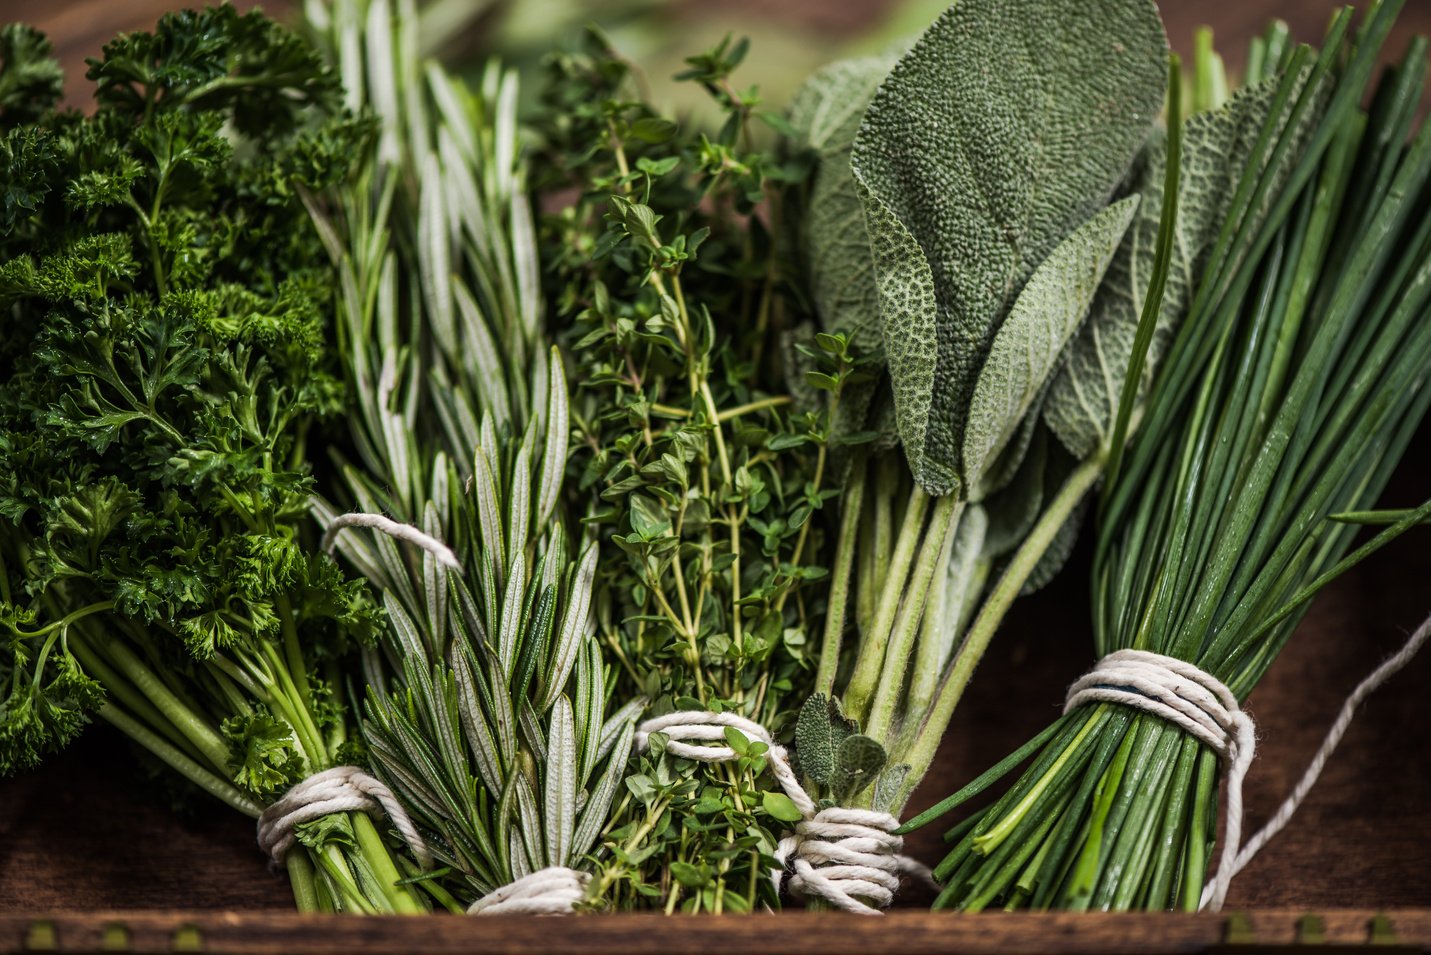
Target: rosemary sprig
[487, 707]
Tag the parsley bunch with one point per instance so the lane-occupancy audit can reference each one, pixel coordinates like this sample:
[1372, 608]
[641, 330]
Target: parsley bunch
[164, 357]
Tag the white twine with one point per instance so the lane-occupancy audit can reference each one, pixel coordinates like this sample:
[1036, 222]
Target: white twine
[340, 789]
[1201, 705]
[392, 528]
[552, 891]
[850, 858]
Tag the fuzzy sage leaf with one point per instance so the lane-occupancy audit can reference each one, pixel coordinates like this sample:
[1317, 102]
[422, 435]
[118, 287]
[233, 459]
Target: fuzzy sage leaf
[970, 177]
[1084, 396]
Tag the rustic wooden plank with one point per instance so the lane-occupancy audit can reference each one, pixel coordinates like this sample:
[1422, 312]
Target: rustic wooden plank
[917, 933]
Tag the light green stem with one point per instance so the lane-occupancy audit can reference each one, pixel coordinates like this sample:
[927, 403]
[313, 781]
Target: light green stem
[181, 764]
[890, 690]
[921, 750]
[185, 720]
[835, 616]
[375, 852]
[301, 880]
[870, 661]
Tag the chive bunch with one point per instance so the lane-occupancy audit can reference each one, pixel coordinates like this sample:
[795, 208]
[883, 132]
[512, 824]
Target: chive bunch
[1289, 395]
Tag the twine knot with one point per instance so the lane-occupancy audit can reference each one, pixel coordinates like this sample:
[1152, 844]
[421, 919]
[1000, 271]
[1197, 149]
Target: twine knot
[340, 789]
[1202, 706]
[850, 858]
[1199, 703]
[555, 890]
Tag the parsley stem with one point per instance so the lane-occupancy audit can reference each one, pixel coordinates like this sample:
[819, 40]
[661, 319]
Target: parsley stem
[213, 746]
[182, 764]
[300, 877]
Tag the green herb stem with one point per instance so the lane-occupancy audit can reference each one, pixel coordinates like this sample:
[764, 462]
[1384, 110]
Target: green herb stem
[873, 644]
[919, 753]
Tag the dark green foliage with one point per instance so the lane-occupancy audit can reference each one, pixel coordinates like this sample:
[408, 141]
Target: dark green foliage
[706, 485]
[1287, 398]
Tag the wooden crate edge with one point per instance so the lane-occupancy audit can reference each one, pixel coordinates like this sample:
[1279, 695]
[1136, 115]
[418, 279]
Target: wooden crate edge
[271, 933]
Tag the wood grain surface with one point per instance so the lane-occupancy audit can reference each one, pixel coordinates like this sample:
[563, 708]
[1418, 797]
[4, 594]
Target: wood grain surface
[88, 832]
[825, 933]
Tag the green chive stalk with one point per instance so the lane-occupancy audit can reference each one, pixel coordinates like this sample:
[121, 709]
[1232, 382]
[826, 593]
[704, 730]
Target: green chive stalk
[1287, 399]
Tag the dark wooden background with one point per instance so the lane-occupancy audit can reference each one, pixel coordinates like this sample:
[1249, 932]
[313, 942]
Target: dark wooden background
[88, 832]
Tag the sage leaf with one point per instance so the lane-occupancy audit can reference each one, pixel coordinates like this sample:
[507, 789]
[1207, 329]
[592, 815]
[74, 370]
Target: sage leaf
[1083, 400]
[857, 763]
[1027, 347]
[814, 740]
[971, 176]
[826, 112]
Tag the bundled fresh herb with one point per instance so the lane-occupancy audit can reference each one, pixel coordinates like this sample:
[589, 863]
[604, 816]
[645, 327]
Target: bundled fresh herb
[164, 357]
[1287, 397]
[973, 215]
[487, 707]
[703, 483]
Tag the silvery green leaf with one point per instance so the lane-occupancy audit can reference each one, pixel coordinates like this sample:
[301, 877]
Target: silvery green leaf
[489, 508]
[561, 773]
[530, 828]
[435, 255]
[531, 731]
[616, 724]
[815, 740]
[434, 584]
[1083, 401]
[525, 262]
[479, 735]
[445, 710]
[1027, 346]
[519, 500]
[887, 788]
[574, 626]
[449, 97]
[557, 426]
[382, 85]
[403, 628]
[504, 718]
[485, 371]
[590, 705]
[858, 760]
[510, 633]
[971, 176]
[827, 111]
[598, 804]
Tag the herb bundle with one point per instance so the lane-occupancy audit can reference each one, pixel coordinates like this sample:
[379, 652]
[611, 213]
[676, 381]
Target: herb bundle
[486, 710]
[1287, 397]
[951, 236]
[703, 483]
[164, 359]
